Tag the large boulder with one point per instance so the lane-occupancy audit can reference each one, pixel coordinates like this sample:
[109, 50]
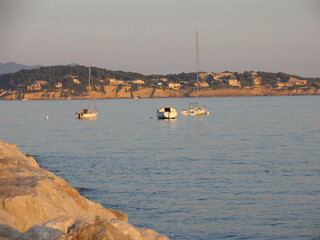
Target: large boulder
[34, 197]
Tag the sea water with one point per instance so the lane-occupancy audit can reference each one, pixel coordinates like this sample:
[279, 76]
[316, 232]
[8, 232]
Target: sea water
[249, 170]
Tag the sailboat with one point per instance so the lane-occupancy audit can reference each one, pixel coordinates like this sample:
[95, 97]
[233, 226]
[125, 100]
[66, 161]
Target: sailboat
[194, 108]
[87, 112]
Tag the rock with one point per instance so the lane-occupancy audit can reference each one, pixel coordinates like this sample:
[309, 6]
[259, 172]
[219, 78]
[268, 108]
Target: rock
[35, 198]
[7, 232]
[31, 195]
[114, 229]
[40, 233]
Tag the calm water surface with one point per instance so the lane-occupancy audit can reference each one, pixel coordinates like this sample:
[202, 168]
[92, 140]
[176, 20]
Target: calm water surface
[249, 170]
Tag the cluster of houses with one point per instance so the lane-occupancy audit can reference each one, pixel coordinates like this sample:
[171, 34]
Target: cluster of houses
[37, 85]
[113, 81]
[291, 83]
[226, 77]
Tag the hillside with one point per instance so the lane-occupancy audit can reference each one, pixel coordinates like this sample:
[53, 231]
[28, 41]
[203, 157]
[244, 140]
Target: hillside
[57, 82]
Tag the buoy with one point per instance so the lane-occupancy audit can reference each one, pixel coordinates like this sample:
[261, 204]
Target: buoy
[47, 117]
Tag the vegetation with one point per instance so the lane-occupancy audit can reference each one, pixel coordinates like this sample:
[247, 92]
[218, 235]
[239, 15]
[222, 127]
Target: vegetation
[68, 74]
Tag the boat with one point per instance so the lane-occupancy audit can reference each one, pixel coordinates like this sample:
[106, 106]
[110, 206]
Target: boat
[194, 109]
[167, 113]
[88, 113]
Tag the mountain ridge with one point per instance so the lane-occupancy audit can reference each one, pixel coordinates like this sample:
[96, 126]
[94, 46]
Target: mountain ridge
[12, 67]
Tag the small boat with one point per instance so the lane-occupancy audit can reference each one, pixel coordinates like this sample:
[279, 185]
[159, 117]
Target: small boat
[88, 113]
[166, 113]
[194, 108]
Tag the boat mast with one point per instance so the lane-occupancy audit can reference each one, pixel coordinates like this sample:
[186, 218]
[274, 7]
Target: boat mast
[197, 65]
[89, 84]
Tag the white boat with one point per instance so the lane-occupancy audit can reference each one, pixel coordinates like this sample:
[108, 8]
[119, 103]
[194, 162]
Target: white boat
[167, 113]
[88, 113]
[194, 108]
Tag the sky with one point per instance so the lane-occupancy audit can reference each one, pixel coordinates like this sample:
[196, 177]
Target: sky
[159, 36]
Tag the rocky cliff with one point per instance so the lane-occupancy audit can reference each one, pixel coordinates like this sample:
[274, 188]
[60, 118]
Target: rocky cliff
[126, 92]
[36, 204]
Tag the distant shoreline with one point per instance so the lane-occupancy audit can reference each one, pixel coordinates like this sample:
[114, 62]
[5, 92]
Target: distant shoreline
[112, 92]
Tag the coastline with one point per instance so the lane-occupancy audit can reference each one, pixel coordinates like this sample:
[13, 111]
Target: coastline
[112, 92]
[36, 204]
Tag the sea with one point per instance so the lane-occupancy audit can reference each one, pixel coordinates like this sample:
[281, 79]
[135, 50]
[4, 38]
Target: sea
[249, 170]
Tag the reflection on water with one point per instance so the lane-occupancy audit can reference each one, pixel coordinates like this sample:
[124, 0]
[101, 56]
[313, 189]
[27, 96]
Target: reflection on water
[249, 170]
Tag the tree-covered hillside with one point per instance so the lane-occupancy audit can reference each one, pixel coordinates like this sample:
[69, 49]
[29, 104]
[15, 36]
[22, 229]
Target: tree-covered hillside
[67, 75]
[55, 74]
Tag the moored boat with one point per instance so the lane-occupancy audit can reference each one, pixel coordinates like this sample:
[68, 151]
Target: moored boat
[194, 108]
[88, 113]
[166, 113]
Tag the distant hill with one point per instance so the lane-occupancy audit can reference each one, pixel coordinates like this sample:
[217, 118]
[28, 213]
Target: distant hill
[12, 67]
[67, 74]
[55, 74]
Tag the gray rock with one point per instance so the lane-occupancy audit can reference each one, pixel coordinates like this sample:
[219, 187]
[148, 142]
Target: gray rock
[7, 232]
[40, 233]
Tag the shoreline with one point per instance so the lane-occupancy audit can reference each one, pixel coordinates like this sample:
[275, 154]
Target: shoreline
[111, 92]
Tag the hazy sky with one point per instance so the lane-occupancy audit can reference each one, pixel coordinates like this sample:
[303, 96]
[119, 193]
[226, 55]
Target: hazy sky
[158, 36]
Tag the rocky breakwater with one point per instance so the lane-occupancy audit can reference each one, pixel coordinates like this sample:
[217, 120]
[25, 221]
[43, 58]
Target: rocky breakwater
[36, 204]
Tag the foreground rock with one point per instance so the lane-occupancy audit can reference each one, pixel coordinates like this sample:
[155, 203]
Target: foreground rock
[35, 199]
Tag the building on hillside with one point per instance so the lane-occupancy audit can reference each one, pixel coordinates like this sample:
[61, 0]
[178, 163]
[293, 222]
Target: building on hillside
[202, 84]
[76, 81]
[37, 85]
[138, 81]
[164, 79]
[254, 74]
[114, 81]
[292, 82]
[297, 82]
[283, 84]
[203, 75]
[34, 87]
[256, 81]
[174, 85]
[234, 83]
[58, 85]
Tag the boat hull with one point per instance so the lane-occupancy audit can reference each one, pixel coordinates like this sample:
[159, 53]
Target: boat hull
[195, 112]
[167, 113]
[87, 114]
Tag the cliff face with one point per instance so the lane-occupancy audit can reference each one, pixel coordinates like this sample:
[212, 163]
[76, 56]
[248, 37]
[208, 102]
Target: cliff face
[126, 92]
[34, 198]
